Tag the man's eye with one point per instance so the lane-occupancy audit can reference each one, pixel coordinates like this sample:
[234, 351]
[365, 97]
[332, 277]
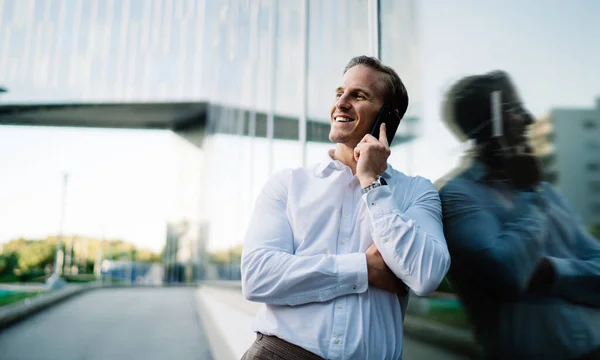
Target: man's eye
[337, 95]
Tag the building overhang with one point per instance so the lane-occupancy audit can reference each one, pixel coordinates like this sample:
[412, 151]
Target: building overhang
[164, 115]
[175, 116]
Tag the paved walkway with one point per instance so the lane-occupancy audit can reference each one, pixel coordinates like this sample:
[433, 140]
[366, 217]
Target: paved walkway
[232, 314]
[110, 324]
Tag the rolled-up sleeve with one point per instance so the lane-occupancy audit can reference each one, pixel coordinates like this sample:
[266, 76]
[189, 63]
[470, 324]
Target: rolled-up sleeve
[411, 242]
[273, 274]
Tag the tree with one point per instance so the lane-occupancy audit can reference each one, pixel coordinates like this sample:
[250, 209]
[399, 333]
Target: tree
[232, 255]
[8, 263]
[32, 257]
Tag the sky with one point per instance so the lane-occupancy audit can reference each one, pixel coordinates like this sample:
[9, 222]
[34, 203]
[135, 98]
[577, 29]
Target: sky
[123, 183]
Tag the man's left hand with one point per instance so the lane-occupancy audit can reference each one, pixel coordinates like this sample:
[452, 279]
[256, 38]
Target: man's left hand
[371, 155]
[380, 275]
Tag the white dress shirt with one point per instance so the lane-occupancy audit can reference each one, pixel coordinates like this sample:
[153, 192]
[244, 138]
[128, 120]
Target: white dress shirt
[304, 257]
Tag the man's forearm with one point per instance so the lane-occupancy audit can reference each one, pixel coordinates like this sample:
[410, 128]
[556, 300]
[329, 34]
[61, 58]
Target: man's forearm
[577, 280]
[412, 251]
[279, 278]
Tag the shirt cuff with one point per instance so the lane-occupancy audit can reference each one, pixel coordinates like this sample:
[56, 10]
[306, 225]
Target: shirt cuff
[352, 273]
[379, 201]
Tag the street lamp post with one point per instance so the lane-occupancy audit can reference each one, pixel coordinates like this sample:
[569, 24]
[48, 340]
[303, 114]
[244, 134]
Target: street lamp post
[58, 258]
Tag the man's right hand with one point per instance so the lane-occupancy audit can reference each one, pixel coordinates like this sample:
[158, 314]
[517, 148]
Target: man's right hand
[380, 275]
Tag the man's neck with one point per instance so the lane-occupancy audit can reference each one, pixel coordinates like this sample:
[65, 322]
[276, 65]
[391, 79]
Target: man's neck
[344, 154]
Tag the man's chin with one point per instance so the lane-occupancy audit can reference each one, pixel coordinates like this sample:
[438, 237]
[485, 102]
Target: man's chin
[338, 138]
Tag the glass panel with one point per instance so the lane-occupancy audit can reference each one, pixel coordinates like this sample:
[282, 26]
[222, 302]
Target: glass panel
[400, 48]
[286, 154]
[338, 31]
[262, 70]
[285, 128]
[97, 50]
[288, 58]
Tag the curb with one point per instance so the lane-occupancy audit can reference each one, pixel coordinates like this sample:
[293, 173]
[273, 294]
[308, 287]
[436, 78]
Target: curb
[14, 313]
[219, 348]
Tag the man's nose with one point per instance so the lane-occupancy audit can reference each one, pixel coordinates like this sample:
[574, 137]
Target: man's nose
[342, 103]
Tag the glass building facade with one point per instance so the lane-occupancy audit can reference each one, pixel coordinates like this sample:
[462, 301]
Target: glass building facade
[267, 69]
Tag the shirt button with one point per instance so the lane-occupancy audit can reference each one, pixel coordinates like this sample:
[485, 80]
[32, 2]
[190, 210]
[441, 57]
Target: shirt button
[353, 287]
[340, 306]
[345, 213]
[385, 239]
[314, 298]
[342, 242]
[336, 341]
[372, 204]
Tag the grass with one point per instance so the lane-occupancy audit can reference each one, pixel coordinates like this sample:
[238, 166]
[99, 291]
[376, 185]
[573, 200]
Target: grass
[452, 317]
[81, 278]
[19, 296]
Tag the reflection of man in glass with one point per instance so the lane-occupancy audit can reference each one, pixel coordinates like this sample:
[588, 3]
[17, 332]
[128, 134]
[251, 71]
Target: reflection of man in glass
[526, 270]
[330, 247]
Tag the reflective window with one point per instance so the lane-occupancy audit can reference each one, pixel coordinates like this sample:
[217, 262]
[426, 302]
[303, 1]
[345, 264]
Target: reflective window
[594, 187]
[338, 31]
[589, 124]
[285, 128]
[288, 58]
[400, 50]
[65, 50]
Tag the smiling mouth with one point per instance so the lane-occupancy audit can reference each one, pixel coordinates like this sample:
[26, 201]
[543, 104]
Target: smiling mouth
[343, 119]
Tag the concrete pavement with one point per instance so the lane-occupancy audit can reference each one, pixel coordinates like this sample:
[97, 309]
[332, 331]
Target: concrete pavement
[137, 323]
[151, 323]
[231, 315]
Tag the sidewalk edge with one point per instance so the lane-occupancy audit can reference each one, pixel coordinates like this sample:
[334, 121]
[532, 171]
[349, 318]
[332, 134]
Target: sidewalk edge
[218, 346]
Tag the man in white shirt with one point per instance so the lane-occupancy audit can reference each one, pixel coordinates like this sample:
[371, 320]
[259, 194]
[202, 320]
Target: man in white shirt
[331, 249]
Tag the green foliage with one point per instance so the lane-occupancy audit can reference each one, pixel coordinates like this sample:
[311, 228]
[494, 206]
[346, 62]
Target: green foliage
[19, 296]
[232, 255]
[31, 260]
[451, 317]
[9, 261]
[445, 286]
[143, 255]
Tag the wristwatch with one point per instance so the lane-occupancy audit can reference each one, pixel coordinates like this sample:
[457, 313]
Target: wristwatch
[379, 181]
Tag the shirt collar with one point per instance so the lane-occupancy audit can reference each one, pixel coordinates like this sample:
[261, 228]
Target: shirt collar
[328, 162]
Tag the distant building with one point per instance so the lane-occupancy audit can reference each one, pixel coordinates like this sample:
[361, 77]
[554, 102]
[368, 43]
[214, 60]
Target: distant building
[568, 143]
[184, 254]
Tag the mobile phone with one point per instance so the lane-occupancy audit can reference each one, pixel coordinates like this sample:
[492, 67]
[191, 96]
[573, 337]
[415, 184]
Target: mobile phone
[391, 119]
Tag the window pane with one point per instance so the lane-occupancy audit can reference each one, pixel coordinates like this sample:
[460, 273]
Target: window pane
[288, 58]
[338, 31]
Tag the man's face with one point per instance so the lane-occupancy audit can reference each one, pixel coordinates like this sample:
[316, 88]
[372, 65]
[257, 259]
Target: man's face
[522, 168]
[357, 102]
[516, 120]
